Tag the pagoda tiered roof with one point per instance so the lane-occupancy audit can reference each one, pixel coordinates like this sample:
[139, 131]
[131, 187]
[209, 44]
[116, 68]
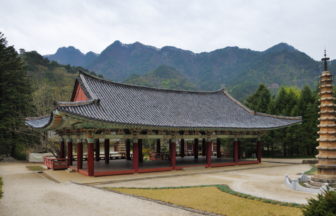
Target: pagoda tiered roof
[117, 103]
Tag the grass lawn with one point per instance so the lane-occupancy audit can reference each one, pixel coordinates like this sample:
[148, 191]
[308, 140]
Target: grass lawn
[312, 171]
[35, 168]
[212, 199]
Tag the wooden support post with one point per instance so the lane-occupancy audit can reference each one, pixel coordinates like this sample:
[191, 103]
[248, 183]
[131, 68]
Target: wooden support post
[239, 149]
[158, 146]
[208, 155]
[69, 151]
[90, 157]
[259, 150]
[135, 156]
[203, 147]
[79, 154]
[107, 150]
[97, 146]
[128, 149]
[235, 151]
[140, 150]
[173, 153]
[62, 155]
[182, 148]
[196, 148]
[186, 145]
[218, 148]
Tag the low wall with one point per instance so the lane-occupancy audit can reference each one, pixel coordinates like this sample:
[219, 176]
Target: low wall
[294, 184]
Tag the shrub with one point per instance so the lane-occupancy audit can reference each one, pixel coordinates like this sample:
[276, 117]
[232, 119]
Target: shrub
[324, 205]
[1, 183]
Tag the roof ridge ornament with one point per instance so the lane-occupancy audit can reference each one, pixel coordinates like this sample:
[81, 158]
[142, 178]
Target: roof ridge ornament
[325, 59]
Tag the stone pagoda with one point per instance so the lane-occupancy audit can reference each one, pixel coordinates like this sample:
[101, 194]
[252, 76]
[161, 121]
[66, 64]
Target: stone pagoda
[327, 141]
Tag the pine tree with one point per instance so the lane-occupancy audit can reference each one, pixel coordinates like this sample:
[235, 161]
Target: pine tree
[15, 96]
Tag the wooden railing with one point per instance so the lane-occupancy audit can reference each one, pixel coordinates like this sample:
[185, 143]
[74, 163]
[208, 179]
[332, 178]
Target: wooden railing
[55, 163]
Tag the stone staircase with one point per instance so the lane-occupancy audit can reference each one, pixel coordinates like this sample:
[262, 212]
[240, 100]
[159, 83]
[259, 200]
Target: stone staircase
[70, 170]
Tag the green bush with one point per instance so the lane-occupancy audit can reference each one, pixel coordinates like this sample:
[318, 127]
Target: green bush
[324, 205]
[1, 183]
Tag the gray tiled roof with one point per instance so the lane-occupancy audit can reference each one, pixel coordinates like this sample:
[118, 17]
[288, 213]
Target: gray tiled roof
[38, 122]
[136, 105]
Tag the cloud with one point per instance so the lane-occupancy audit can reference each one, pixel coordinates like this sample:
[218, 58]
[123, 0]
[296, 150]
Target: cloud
[199, 26]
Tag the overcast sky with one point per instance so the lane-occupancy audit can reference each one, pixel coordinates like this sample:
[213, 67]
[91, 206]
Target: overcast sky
[199, 26]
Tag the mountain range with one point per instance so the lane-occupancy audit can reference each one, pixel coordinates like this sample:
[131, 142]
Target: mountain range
[238, 70]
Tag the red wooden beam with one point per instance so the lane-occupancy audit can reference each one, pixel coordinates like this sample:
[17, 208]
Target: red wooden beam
[79, 154]
[235, 151]
[135, 156]
[259, 150]
[70, 151]
[90, 159]
[140, 150]
[208, 155]
[173, 153]
[107, 151]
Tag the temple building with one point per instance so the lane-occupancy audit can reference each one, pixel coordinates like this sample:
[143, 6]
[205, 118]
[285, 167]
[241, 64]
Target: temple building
[101, 109]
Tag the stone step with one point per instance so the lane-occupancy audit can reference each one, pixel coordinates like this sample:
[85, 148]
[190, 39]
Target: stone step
[70, 170]
[193, 168]
[311, 186]
[314, 183]
[330, 181]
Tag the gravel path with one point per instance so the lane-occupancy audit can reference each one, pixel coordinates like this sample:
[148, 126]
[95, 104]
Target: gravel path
[28, 193]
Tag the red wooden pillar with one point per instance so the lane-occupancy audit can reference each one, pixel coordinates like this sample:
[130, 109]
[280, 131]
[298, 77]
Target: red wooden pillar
[135, 156]
[186, 148]
[239, 149]
[203, 147]
[79, 154]
[128, 149]
[173, 153]
[140, 150]
[158, 146]
[97, 150]
[259, 150]
[107, 150]
[208, 155]
[196, 148]
[69, 151]
[62, 155]
[90, 157]
[218, 148]
[182, 147]
[235, 151]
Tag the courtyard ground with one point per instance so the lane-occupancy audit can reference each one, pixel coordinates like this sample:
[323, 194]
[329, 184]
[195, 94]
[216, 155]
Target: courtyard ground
[29, 193]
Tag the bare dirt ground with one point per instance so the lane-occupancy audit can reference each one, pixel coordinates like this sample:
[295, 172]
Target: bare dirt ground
[28, 193]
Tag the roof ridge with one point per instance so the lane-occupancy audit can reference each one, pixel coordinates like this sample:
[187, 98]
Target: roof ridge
[149, 88]
[77, 103]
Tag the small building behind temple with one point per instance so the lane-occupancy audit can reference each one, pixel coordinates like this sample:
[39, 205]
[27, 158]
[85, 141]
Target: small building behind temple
[101, 109]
